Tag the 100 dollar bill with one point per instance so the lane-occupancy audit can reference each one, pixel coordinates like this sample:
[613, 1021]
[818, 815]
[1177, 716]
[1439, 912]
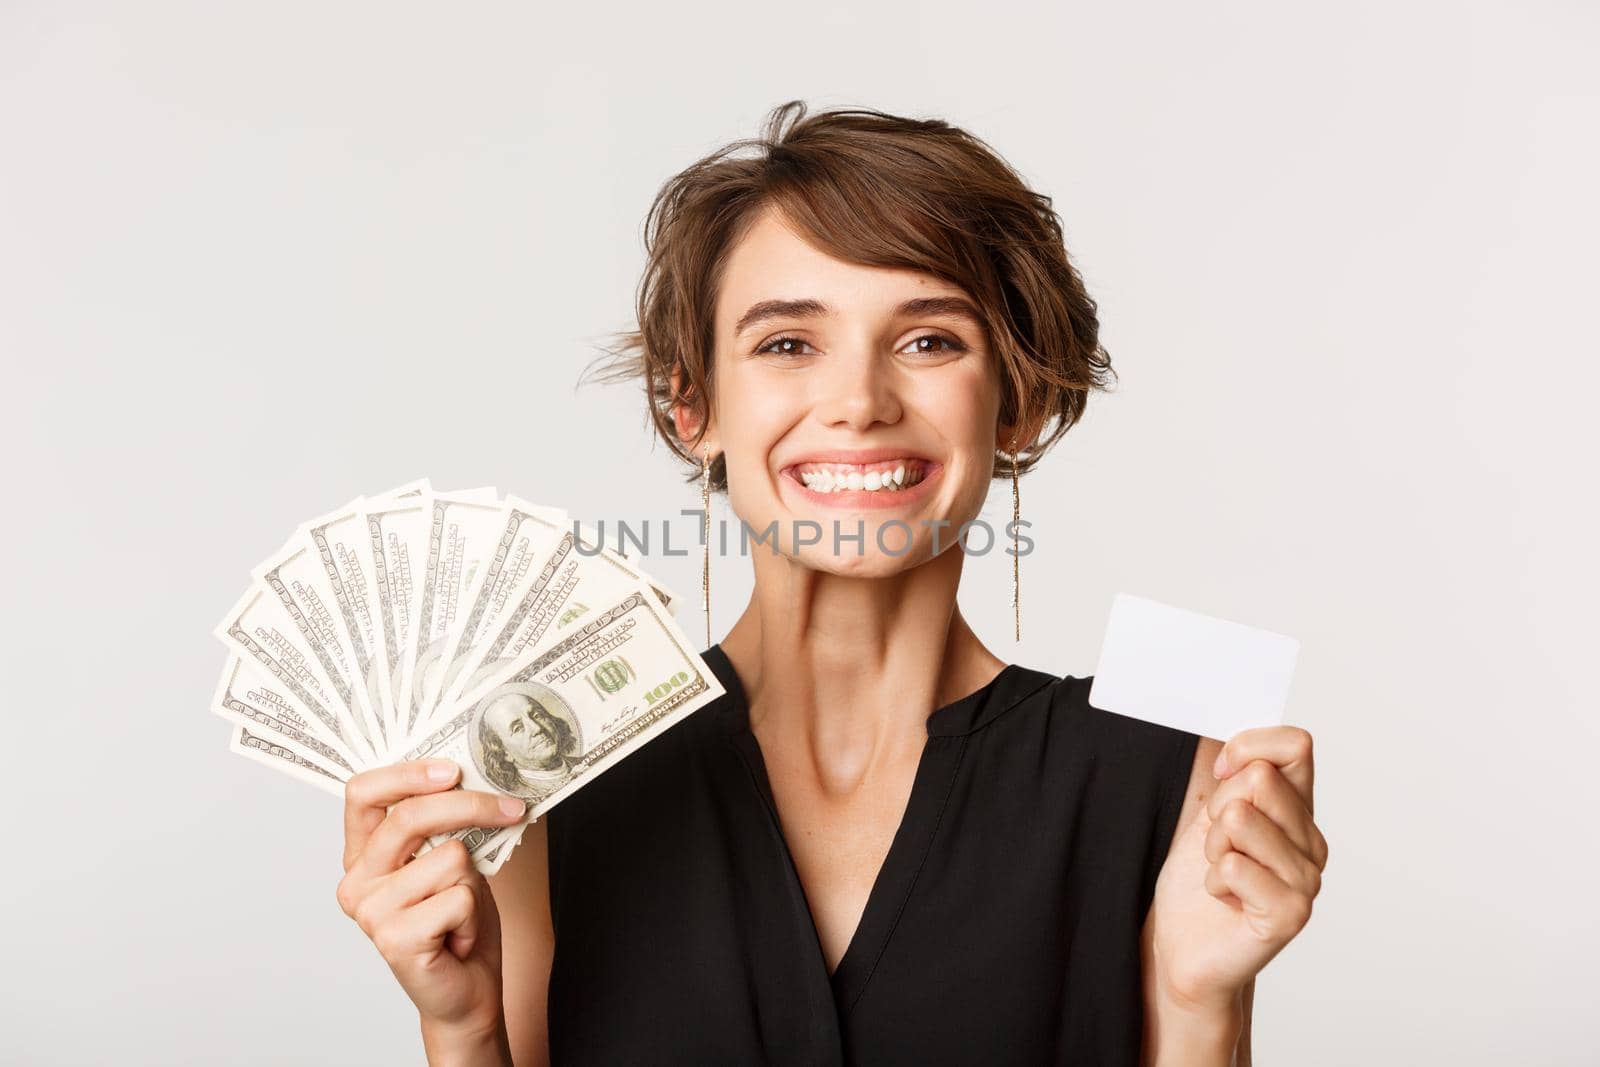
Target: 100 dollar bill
[551, 721]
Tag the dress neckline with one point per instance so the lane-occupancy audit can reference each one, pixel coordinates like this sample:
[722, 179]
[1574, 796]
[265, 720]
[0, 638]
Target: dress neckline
[948, 727]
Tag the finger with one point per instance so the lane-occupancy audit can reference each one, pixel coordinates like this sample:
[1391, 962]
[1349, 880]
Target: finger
[1286, 747]
[417, 818]
[1274, 910]
[368, 796]
[419, 931]
[1243, 828]
[438, 868]
[1264, 786]
[461, 941]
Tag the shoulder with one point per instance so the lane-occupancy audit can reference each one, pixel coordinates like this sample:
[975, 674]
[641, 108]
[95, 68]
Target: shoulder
[1178, 762]
[1068, 702]
[1039, 723]
[1161, 762]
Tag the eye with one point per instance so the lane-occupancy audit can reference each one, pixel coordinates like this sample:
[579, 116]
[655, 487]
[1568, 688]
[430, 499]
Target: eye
[772, 347]
[516, 726]
[952, 345]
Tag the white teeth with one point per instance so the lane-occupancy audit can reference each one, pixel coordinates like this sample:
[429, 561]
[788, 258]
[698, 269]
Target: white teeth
[826, 481]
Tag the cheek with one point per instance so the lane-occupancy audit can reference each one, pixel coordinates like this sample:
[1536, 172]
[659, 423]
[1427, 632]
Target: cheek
[751, 422]
[963, 406]
[756, 409]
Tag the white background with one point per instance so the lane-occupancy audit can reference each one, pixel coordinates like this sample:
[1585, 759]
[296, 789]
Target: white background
[257, 259]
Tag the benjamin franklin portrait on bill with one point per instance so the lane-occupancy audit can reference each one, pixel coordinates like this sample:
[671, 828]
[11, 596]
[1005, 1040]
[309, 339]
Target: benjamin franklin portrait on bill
[524, 740]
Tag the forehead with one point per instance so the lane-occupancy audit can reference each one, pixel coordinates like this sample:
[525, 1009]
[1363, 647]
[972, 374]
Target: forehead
[773, 262]
[508, 706]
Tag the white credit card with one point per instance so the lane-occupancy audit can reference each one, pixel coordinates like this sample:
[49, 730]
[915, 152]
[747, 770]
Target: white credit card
[1192, 672]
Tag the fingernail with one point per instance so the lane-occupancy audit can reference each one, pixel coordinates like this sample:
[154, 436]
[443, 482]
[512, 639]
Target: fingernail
[441, 770]
[513, 805]
[1220, 767]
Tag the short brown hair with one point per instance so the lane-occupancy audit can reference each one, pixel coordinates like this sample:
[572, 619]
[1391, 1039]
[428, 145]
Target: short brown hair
[878, 190]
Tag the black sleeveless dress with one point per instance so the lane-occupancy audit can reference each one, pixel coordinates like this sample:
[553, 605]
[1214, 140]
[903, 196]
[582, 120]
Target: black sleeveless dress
[1003, 927]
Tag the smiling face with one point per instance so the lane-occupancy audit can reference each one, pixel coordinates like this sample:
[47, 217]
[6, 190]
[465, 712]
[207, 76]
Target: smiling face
[849, 393]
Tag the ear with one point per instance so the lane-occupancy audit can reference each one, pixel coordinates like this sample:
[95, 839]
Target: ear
[1024, 432]
[687, 422]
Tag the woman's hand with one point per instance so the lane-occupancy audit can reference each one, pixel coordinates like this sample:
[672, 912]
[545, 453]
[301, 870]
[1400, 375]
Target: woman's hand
[1239, 881]
[432, 917]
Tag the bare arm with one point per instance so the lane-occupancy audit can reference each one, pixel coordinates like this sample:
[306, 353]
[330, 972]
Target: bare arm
[522, 894]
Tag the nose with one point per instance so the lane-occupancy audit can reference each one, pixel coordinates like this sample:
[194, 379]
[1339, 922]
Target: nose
[857, 390]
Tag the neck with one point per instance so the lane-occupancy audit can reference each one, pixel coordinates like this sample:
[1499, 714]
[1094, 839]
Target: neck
[843, 672]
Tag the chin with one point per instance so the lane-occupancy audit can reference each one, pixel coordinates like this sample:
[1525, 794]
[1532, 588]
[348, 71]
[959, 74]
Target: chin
[872, 563]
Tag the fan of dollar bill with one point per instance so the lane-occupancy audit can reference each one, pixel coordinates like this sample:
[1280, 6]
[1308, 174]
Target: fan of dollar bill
[460, 625]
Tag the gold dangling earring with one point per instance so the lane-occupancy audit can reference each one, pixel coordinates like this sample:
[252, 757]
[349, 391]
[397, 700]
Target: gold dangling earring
[1016, 582]
[705, 537]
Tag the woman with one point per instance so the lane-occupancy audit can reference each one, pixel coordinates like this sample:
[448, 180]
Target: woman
[883, 844]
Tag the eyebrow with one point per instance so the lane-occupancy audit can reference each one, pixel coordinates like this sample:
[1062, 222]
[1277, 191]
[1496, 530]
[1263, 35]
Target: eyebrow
[767, 310]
